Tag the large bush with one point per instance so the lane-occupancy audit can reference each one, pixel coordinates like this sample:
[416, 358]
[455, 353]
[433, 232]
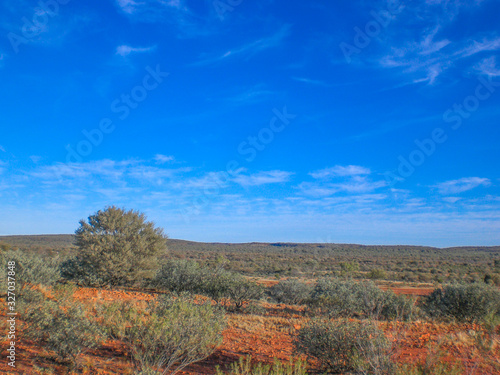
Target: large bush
[291, 291]
[115, 247]
[347, 298]
[343, 346]
[169, 334]
[465, 303]
[61, 325]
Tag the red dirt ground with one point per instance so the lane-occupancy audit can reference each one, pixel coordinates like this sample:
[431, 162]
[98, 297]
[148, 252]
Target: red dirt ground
[262, 337]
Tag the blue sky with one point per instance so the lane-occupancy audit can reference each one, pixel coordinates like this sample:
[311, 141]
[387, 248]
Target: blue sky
[373, 122]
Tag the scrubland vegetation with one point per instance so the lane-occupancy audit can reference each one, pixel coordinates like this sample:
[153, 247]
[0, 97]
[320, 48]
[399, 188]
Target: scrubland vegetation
[325, 298]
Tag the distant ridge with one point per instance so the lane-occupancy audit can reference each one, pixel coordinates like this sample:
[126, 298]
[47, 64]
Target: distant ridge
[66, 242]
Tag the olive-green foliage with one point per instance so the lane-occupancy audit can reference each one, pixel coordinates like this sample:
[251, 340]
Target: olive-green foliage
[233, 286]
[180, 276]
[347, 298]
[61, 325]
[187, 276]
[343, 346]
[376, 274]
[465, 303]
[29, 269]
[244, 366]
[169, 334]
[115, 247]
[291, 291]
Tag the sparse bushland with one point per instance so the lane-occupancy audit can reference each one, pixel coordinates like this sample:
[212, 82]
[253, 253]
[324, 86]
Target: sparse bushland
[244, 366]
[217, 283]
[60, 324]
[168, 335]
[115, 247]
[464, 303]
[291, 291]
[346, 346]
[347, 298]
[29, 270]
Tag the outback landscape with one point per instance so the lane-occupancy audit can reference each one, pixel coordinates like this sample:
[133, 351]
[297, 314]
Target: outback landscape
[236, 187]
[120, 298]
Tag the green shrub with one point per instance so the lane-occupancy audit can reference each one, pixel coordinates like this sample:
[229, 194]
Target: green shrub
[62, 326]
[169, 334]
[343, 346]
[180, 276]
[465, 303]
[377, 274]
[244, 366]
[291, 291]
[346, 298]
[236, 288]
[115, 247]
[29, 269]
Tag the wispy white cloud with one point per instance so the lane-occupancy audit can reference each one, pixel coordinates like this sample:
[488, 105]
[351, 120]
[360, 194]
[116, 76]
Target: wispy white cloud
[174, 13]
[422, 47]
[340, 171]
[162, 159]
[262, 178]
[249, 49]
[488, 66]
[125, 50]
[311, 81]
[35, 158]
[128, 6]
[461, 185]
[353, 185]
[2, 148]
[254, 94]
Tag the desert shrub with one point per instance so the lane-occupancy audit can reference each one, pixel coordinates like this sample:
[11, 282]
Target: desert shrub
[239, 290]
[253, 308]
[244, 366]
[343, 346]
[115, 247]
[169, 334]
[30, 269]
[377, 274]
[62, 326]
[465, 303]
[341, 298]
[291, 291]
[179, 276]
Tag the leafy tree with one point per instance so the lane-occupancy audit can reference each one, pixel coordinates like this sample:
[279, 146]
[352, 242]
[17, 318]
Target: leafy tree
[115, 247]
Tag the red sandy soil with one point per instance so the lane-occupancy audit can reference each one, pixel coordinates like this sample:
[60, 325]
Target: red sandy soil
[262, 337]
